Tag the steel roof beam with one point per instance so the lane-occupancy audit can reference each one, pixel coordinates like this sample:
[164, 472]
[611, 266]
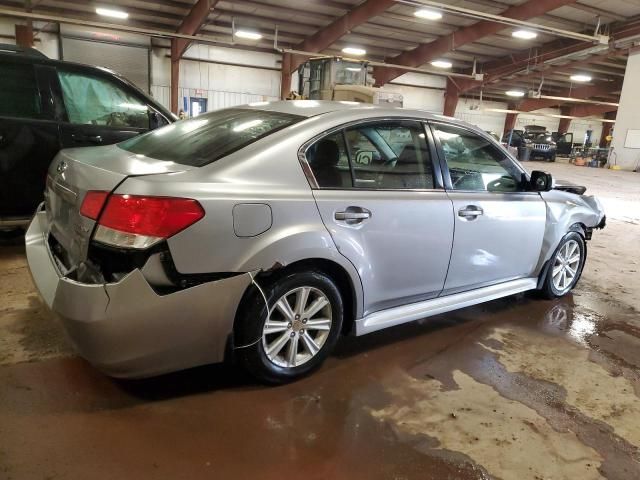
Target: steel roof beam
[589, 110]
[328, 35]
[191, 24]
[426, 52]
[581, 93]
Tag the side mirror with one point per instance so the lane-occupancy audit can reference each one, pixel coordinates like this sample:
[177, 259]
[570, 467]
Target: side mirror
[540, 181]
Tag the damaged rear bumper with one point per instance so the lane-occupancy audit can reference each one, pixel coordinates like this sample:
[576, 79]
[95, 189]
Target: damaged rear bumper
[125, 328]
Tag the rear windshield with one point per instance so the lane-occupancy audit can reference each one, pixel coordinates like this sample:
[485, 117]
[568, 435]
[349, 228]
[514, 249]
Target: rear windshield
[208, 137]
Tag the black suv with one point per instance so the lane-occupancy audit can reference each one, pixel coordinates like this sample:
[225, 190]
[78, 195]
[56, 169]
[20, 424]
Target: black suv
[47, 105]
[536, 139]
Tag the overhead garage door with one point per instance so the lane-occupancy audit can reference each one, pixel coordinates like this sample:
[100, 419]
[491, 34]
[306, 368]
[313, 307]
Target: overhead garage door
[132, 62]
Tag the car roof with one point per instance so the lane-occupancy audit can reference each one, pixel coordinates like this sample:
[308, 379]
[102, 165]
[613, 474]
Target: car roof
[312, 108]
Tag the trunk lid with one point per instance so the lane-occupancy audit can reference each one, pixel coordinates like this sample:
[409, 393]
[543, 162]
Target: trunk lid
[72, 173]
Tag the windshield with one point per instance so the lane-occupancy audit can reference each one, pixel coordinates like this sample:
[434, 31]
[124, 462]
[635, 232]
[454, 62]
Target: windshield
[206, 138]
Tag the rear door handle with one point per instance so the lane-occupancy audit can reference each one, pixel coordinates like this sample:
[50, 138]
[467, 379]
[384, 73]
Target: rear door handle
[470, 211]
[353, 215]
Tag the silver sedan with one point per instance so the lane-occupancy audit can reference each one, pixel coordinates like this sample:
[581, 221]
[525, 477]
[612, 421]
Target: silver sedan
[264, 232]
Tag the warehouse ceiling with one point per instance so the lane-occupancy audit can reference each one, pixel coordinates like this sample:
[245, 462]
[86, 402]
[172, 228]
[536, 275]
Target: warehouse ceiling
[390, 31]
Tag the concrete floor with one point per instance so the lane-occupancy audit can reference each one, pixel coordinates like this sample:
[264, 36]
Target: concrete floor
[514, 389]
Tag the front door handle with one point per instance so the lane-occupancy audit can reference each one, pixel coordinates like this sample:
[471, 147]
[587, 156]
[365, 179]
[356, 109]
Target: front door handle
[470, 211]
[353, 215]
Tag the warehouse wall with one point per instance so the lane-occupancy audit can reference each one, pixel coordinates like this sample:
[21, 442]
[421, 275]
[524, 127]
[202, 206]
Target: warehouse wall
[46, 42]
[227, 77]
[224, 76]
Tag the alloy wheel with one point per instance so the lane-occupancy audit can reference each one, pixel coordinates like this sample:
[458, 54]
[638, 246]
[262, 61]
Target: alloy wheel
[297, 327]
[566, 265]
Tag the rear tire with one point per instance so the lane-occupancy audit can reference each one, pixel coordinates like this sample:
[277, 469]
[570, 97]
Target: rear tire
[565, 267]
[296, 334]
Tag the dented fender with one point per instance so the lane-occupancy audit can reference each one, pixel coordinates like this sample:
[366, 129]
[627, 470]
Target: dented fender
[565, 209]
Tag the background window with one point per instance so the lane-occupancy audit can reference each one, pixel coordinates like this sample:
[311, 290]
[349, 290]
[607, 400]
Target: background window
[475, 163]
[18, 92]
[96, 101]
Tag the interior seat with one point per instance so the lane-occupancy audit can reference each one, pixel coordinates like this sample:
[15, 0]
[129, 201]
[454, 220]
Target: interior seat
[325, 164]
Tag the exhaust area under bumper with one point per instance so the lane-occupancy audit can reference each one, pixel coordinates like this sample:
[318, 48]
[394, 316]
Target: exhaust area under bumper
[126, 329]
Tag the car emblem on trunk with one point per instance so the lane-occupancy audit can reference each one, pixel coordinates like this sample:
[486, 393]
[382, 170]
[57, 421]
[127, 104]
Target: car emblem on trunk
[62, 166]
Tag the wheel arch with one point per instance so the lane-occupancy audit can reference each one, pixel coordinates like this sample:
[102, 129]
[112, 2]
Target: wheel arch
[333, 270]
[350, 290]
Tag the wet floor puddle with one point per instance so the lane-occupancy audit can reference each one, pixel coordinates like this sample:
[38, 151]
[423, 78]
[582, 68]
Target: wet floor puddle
[537, 399]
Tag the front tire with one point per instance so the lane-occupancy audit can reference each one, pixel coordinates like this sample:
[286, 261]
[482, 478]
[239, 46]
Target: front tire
[298, 331]
[565, 266]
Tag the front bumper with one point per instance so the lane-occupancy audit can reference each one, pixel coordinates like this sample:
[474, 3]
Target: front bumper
[543, 153]
[126, 329]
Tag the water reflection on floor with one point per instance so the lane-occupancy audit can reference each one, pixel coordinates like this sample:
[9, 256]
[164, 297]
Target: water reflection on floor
[514, 389]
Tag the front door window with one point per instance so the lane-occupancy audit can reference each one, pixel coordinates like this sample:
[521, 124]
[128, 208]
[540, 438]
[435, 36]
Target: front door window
[93, 100]
[475, 163]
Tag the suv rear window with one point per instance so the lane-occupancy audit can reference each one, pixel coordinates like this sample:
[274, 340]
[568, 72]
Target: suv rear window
[206, 138]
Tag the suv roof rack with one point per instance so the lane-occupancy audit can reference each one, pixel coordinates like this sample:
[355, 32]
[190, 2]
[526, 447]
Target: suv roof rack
[31, 52]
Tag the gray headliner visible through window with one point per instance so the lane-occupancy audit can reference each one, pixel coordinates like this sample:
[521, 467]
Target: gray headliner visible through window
[209, 137]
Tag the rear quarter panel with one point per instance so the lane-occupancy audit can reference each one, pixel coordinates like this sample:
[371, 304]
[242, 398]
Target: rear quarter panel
[267, 172]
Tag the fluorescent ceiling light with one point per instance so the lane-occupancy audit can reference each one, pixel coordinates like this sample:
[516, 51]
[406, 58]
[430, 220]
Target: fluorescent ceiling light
[442, 64]
[108, 12]
[354, 69]
[428, 14]
[580, 78]
[515, 93]
[354, 51]
[524, 34]
[248, 35]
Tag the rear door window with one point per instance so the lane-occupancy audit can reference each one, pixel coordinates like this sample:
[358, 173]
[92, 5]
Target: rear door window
[208, 137]
[19, 95]
[93, 100]
[388, 155]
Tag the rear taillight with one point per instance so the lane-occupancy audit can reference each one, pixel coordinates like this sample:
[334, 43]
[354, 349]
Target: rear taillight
[93, 203]
[134, 221]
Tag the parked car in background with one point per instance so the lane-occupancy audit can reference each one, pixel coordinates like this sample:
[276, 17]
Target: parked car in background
[46, 105]
[540, 143]
[264, 232]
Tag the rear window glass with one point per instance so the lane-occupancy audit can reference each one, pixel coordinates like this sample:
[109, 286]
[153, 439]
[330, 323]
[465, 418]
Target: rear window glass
[208, 137]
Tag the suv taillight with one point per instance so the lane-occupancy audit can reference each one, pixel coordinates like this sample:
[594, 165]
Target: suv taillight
[134, 221]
